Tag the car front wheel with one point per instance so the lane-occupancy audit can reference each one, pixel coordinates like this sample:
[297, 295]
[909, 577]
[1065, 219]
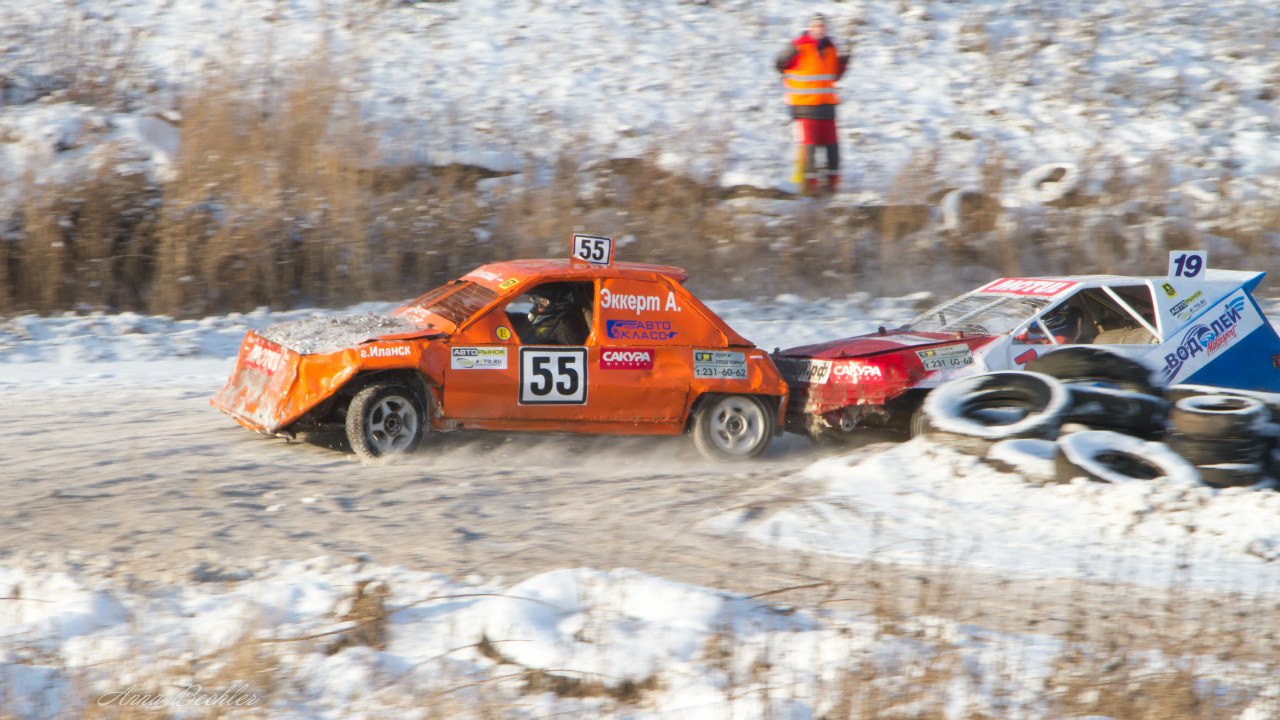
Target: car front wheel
[386, 419]
[733, 427]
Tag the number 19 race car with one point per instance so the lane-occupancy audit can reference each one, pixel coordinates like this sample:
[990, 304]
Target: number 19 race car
[1205, 330]
[580, 345]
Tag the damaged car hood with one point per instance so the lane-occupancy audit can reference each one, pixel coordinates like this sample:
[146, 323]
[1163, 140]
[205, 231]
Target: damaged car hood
[320, 335]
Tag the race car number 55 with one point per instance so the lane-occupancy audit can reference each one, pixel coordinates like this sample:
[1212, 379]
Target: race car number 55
[553, 376]
[593, 249]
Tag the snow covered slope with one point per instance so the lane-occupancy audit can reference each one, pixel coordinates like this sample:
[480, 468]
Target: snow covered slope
[1140, 83]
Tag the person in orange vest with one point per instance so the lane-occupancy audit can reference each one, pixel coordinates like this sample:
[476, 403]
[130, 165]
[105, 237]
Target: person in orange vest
[810, 66]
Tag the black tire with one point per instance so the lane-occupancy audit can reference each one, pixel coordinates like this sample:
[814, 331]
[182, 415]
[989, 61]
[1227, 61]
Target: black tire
[1095, 365]
[1235, 475]
[996, 406]
[732, 427]
[1214, 451]
[386, 418]
[1114, 457]
[1223, 416]
[919, 423]
[1121, 410]
[1177, 392]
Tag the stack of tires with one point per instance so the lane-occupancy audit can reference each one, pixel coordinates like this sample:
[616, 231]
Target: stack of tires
[1108, 421]
[1228, 437]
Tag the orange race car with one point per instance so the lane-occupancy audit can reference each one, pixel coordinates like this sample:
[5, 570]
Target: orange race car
[632, 353]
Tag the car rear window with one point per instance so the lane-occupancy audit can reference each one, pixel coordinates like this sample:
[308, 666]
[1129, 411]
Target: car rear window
[455, 301]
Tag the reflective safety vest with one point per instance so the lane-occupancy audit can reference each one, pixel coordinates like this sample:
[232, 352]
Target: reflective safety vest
[811, 80]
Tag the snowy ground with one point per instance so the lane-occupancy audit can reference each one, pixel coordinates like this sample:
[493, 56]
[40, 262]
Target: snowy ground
[493, 82]
[149, 541]
[149, 545]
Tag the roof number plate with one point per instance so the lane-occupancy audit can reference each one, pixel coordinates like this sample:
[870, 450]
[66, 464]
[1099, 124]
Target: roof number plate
[592, 249]
[1187, 263]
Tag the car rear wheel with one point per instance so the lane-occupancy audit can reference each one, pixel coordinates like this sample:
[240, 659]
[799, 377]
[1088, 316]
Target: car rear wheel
[732, 427]
[386, 419]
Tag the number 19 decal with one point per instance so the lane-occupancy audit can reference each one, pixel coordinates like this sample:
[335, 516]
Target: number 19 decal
[1187, 263]
[553, 376]
[593, 249]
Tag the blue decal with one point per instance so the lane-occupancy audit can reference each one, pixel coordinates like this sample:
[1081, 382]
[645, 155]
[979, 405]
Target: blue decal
[639, 329]
[1200, 338]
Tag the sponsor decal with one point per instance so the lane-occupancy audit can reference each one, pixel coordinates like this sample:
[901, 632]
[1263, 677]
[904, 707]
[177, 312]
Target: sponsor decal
[858, 371]
[1169, 290]
[948, 357]
[264, 359]
[802, 370]
[1233, 319]
[719, 364]
[417, 314]
[478, 358]
[626, 359]
[504, 333]
[485, 275]
[385, 351]
[1021, 286]
[508, 283]
[637, 303]
[639, 329]
[1189, 307]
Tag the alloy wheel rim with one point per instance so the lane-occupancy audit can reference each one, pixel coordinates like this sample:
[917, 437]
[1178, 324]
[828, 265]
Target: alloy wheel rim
[393, 424]
[737, 425]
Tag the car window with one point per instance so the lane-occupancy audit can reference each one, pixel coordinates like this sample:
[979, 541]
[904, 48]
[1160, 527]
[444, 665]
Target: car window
[980, 314]
[1114, 319]
[553, 313]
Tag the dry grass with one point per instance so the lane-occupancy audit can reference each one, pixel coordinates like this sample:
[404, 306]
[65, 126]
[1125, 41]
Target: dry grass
[279, 198]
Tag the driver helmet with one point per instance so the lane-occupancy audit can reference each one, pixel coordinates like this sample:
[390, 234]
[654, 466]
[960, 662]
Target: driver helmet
[1064, 322]
[549, 303]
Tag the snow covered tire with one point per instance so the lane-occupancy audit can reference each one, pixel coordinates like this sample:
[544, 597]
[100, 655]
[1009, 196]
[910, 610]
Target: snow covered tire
[1114, 457]
[1095, 365]
[1049, 183]
[972, 412]
[386, 418]
[1220, 416]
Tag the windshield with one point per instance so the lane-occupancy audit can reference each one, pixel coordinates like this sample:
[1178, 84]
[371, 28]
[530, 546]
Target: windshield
[447, 306]
[978, 314]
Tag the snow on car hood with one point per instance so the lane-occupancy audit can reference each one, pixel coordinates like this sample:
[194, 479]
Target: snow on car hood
[317, 335]
[877, 344]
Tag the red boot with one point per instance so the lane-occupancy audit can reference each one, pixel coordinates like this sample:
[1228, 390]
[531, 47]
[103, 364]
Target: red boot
[811, 186]
[833, 184]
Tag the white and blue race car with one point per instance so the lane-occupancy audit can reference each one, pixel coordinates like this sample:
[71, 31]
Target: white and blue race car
[1207, 330]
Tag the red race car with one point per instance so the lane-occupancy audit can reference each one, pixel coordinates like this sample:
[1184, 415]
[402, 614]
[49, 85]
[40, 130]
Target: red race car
[579, 345]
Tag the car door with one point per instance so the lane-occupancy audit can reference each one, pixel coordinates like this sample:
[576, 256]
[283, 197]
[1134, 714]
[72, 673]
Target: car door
[481, 379]
[639, 356]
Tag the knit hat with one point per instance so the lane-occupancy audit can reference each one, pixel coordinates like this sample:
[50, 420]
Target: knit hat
[817, 19]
